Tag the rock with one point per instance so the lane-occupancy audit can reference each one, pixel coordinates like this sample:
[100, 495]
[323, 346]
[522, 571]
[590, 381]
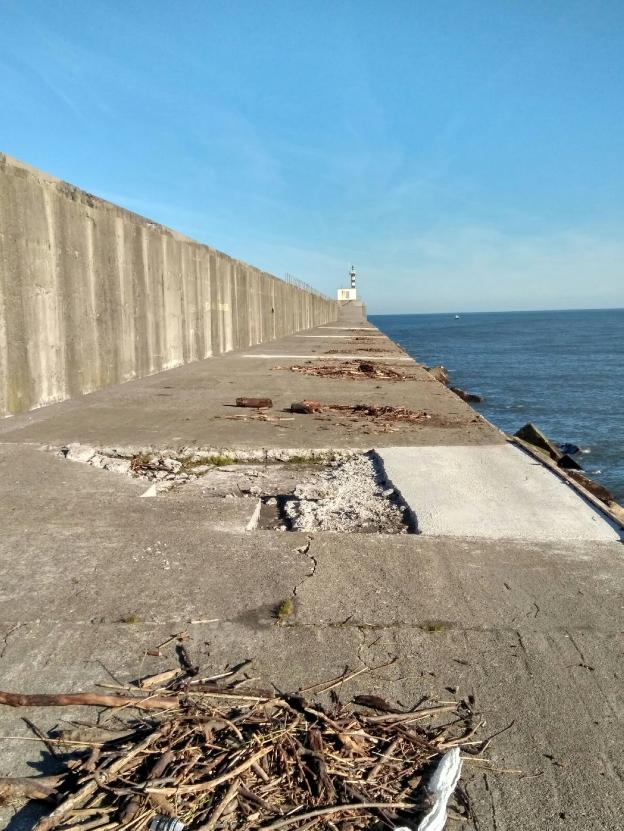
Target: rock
[569, 449]
[594, 488]
[80, 452]
[533, 435]
[306, 407]
[172, 465]
[440, 373]
[118, 465]
[568, 463]
[470, 397]
[366, 367]
[199, 470]
[99, 461]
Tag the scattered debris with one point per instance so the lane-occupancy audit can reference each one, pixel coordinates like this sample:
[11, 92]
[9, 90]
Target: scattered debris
[352, 495]
[219, 755]
[306, 406]
[381, 412]
[372, 349]
[350, 369]
[257, 403]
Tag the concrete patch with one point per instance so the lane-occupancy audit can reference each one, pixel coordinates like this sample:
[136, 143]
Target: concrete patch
[492, 491]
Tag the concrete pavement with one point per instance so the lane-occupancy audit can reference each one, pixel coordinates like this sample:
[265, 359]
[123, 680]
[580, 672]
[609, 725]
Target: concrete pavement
[93, 576]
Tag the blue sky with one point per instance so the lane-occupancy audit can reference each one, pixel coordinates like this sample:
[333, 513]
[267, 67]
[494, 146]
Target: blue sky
[464, 155]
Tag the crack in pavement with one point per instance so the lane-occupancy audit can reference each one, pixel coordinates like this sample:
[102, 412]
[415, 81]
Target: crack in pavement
[6, 636]
[305, 550]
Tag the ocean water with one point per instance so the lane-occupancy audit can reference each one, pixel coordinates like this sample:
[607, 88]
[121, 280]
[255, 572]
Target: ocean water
[564, 371]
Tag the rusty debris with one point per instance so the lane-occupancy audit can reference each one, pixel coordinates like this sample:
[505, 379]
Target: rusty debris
[225, 757]
[350, 369]
[257, 403]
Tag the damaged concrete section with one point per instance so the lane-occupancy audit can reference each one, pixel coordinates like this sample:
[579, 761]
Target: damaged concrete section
[352, 495]
[186, 463]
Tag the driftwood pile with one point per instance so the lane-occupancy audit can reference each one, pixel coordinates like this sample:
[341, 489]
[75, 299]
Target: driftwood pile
[356, 370]
[380, 413]
[221, 756]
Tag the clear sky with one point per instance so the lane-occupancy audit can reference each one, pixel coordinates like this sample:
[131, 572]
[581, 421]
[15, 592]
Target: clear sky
[464, 154]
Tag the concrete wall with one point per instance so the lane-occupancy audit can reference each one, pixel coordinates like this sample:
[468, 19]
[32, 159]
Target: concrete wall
[91, 295]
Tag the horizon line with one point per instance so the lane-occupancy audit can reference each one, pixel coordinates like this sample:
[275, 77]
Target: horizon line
[500, 311]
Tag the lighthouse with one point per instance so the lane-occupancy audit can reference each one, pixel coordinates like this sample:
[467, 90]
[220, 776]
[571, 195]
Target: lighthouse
[349, 293]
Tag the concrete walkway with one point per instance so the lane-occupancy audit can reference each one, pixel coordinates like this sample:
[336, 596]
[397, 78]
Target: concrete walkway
[529, 624]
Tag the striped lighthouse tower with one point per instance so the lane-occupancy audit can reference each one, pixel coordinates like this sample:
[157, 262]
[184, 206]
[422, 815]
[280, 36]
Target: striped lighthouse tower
[349, 293]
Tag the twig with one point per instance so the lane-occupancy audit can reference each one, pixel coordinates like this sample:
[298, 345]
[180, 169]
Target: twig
[216, 814]
[199, 787]
[333, 809]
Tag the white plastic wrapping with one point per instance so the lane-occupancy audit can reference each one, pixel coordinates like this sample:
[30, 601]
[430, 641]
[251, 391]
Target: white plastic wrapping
[441, 786]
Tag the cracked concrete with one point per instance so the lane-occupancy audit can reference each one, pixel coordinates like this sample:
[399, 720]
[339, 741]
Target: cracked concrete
[94, 577]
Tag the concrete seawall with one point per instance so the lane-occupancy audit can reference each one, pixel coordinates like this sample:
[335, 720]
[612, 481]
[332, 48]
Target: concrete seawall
[93, 295]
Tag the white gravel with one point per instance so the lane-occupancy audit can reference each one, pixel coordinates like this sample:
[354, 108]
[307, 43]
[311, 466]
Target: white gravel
[347, 496]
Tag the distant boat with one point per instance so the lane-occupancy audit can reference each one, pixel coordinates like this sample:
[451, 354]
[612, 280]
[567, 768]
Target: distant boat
[456, 317]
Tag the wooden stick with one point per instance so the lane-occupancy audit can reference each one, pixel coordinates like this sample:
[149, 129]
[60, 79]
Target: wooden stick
[87, 699]
[74, 800]
[199, 787]
[216, 814]
[387, 754]
[334, 809]
[413, 716]
[34, 787]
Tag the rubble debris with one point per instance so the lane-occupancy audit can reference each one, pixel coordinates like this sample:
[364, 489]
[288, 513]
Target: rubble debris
[225, 756]
[349, 496]
[306, 406]
[350, 369]
[257, 403]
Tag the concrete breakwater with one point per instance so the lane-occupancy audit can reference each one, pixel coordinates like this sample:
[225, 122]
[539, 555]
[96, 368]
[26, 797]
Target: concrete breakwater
[93, 295]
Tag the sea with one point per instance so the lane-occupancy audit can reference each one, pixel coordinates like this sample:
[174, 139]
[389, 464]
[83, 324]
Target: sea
[562, 370]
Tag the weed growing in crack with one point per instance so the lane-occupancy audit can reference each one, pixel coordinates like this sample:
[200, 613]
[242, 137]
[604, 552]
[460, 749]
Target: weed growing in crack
[285, 610]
